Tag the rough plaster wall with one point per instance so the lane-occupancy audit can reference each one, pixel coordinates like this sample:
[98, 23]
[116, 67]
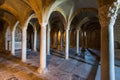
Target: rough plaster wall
[117, 32]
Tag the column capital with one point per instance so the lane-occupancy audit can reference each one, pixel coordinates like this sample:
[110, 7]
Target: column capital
[77, 30]
[49, 30]
[44, 24]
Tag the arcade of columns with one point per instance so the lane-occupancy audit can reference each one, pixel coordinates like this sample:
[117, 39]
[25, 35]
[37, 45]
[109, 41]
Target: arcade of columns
[107, 16]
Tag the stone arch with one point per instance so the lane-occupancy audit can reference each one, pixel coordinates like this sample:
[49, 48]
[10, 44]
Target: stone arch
[58, 23]
[60, 11]
[86, 19]
[61, 16]
[83, 10]
[10, 10]
[55, 4]
[28, 20]
[34, 27]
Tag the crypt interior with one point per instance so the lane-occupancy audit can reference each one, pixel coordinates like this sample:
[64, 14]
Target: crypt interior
[59, 39]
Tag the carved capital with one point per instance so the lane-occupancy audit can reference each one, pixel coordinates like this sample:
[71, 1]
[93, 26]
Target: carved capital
[108, 13]
[44, 24]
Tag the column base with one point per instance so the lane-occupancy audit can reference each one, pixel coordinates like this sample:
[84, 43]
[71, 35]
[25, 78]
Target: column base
[66, 58]
[77, 54]
[35, 50]
[24, 60]
[48, 53]
[42, 71]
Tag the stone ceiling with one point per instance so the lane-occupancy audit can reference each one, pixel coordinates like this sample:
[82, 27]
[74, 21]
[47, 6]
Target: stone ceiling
[20, 10]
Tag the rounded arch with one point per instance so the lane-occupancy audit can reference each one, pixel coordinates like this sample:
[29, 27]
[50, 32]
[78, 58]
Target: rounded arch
[55, 4]
[28, 20]
[77, 12]
[86, 19]
[59, 16]
[60, 10]
[16, 24]
[10, 10]
[35, 29]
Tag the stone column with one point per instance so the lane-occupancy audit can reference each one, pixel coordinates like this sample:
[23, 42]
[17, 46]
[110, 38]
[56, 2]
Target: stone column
[55, 39]
[85, 33]
[13, 43]
[24, 45]
[77, 42]
[61, 40]
[83, 41]
[67, 45]
[42, 68]
[48, 41]
[35, 40]
[107, 41]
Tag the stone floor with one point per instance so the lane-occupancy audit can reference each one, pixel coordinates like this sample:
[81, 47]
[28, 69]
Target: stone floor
[11, 68]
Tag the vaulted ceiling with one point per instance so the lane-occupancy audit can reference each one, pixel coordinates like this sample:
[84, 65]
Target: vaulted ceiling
[71, 10]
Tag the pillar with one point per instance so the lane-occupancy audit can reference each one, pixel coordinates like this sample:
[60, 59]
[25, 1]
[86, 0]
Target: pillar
[35, 41]
[48, 41]
[13, 43]
[24, 45]
[107, 41]
[85, 33]
[55, 39]
[42, 68]
[77, 42]
[61, 40]
[83, 41]
[67, 45]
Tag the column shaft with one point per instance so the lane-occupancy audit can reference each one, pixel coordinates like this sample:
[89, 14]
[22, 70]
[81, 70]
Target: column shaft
[111, 51]
[35, 40]
[48, 42]
[42, 68]
[77, 42]
[61, 40]
[24, 45]
[13, 43]
[67, 45]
